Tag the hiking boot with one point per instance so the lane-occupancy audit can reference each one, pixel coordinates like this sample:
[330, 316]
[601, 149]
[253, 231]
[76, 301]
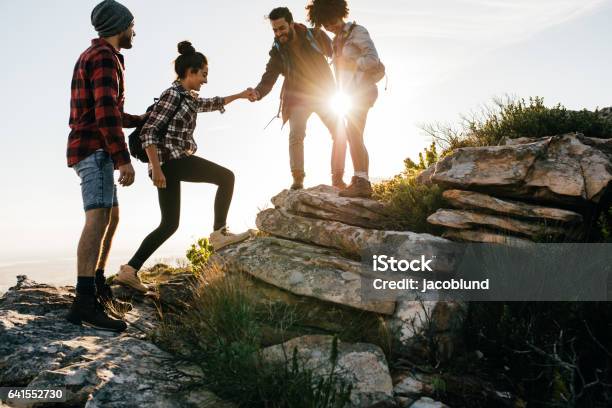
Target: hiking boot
[223, 237]
[359, 187]
[87, 311]
[298, 180]
[128, 276]
[110, 302]
[338, 182]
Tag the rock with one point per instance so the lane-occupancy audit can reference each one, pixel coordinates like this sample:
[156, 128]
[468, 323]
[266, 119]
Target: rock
[323, 202]
[420, 324]
[424, 177]
[461, 219]
[358, 241]
[472, 200]
[39, 348]
[361, 364]
[491, 166]
[486, 237]
[426, 402]
[411, 387]
[568, 169]
[323, 274]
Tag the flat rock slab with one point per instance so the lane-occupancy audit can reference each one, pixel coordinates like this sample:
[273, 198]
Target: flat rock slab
[473, 200]
[304, 269]
[460, 219]
[486, 237]
[361, 364]
[323, 202]
[565, 169]
[39, 348]
[358, 241]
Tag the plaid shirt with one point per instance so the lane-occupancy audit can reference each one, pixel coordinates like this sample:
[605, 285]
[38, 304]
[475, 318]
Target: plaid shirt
[178, 141]
[96, 105]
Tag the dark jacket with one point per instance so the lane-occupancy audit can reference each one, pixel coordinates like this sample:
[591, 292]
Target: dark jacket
[307, 80]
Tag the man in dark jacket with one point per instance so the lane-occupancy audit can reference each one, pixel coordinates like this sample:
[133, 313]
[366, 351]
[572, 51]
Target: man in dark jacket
[300, 55]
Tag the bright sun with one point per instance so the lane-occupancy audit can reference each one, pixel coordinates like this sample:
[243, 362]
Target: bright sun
[340, 103]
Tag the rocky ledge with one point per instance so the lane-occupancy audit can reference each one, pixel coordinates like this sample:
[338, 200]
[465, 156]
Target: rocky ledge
[524, 190]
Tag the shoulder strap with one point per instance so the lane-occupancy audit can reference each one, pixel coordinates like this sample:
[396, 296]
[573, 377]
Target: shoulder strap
[164, 129]
[313, 41]
[343, 37]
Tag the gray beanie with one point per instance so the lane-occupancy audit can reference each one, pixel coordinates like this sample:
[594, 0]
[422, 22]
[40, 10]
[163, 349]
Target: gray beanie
[110, 18]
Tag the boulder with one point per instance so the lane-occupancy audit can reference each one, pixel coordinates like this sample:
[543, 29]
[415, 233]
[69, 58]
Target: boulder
[473, 200]
[361, 364]
[358, 241]
[461, 219]
[303, 269]
[323, 202]
[568, 169]
[39, 348]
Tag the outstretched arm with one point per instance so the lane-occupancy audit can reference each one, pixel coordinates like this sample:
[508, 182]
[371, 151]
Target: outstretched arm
[218, 102]
[274, 68]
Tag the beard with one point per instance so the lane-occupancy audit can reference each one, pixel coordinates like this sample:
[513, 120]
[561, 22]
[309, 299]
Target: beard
[286, 38]
[125, 40]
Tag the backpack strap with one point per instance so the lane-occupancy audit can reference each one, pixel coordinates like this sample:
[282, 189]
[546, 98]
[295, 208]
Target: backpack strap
[313, 42]
[339, 44]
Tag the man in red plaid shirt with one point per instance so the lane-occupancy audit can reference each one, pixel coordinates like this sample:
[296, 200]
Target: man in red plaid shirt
[96, 147]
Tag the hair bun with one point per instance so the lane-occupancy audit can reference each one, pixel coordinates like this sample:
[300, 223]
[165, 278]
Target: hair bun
[185, 48]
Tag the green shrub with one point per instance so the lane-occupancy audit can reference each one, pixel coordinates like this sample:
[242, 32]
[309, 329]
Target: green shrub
[222, 333]
[514, 118]
[199, 253]
[408, 202]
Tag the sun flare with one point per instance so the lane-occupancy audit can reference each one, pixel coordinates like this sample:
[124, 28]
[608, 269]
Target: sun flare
[340, 103]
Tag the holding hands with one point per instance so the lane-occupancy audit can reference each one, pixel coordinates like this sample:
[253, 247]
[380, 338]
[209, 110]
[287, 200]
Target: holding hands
[252, 94]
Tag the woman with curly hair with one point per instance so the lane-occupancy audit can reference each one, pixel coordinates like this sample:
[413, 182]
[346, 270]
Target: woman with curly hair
[357, 69]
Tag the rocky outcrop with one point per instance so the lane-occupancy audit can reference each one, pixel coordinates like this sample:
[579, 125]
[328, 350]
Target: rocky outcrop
[318, 245]
[525, 189]
[39, 348]
[565, 169]
[361, 364]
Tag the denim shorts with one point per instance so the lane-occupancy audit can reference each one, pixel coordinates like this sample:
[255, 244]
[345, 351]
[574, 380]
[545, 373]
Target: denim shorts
[97, 184]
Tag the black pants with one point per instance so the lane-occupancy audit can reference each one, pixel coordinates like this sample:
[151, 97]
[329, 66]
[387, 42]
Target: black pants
[191, 169]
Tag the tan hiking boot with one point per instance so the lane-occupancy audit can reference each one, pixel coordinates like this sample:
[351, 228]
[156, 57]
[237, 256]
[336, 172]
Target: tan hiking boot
[359, 188]
[223, 237]
[128, 276]
[338, 182]
[298, 180]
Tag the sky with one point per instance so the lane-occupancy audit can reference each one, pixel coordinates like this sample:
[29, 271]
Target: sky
[444, 58]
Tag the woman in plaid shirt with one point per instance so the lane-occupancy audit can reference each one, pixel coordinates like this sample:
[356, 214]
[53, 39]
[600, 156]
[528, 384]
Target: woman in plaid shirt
[171, 159]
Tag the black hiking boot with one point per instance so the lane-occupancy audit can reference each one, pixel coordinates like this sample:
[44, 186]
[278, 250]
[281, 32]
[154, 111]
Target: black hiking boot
[110, 302]
[87, 311]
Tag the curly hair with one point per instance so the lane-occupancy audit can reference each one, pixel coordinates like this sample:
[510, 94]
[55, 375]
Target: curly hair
[324, 11]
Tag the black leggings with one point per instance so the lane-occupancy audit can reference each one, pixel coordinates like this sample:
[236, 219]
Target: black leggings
[195, 170]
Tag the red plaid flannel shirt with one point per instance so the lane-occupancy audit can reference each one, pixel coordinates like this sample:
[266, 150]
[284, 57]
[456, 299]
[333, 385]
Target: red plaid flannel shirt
[96, 105]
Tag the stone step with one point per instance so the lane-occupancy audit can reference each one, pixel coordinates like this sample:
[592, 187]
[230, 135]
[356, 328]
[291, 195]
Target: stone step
[305, 270]
[358, 241]
[323, 202]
